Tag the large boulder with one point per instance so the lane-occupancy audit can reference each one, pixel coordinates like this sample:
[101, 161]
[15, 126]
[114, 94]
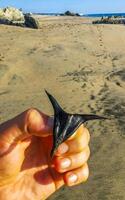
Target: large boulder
[11, 14]
[31, 22]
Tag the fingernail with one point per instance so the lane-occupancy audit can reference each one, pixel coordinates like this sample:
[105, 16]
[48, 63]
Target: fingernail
[63, 148]
[34, 115]
[72, 178]
[65, 163]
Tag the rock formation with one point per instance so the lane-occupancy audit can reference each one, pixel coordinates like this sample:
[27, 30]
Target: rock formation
[13, 16]
[31, 22]
[68, 13]
[110, 20]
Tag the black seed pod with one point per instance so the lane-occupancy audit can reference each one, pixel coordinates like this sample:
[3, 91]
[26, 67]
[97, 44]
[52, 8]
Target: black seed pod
[66, 124]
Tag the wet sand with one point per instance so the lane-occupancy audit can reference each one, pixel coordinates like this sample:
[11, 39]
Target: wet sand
[83, 66]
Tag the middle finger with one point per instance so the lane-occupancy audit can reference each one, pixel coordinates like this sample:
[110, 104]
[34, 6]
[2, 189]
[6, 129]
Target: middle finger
[73, 161]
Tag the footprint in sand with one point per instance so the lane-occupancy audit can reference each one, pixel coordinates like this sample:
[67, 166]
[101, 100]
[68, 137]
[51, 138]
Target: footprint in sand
[53, 50]
[101, 43]
[3, 70]
[113, 108]
[65, 59]
[15, 79]
[118, 77]
[4, 92]
[32, 50]
[80, 76]
[1, 57]
[105, 55]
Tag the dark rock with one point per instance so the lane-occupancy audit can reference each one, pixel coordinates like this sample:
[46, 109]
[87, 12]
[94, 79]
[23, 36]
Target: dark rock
[110, 20]
[68, 13]
[5, 21]
[31, 22]
[9, 22]
[92, 97]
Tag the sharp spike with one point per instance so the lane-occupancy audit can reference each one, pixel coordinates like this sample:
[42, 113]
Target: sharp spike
[91, 117]
[55, 104]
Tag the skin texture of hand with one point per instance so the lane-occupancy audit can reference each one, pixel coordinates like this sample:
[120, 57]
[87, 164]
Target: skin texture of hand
[26, 170]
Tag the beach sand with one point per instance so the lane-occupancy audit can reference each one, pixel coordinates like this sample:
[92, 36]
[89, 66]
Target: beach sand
[83, 66]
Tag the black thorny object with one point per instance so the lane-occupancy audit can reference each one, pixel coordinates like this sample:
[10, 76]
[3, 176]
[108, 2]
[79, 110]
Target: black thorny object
[66, 124]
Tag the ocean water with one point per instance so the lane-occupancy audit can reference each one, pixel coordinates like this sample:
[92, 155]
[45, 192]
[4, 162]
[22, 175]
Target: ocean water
[106, 15]
[88, 15]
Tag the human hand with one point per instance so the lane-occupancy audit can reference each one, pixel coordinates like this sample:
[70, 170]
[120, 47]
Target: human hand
[26, 169]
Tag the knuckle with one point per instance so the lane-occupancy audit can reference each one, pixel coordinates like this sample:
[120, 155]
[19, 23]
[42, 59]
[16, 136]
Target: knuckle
[81, 144]
[81, 147]
[85, 155]
[86, 131]
[78, 160]
[83, 141]
[85, 172]
[88, 151]
[88, 137]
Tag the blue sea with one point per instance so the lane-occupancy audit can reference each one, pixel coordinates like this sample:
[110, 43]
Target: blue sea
[106, 15]
[88, 15]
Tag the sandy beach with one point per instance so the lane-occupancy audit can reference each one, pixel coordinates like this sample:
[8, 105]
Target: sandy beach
[83, 66]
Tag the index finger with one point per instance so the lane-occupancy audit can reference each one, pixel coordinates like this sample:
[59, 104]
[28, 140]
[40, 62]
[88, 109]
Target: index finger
[77, 143]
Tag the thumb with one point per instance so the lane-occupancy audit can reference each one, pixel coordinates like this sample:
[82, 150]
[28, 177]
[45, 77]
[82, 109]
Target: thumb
[38, 124]
[23, 126]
